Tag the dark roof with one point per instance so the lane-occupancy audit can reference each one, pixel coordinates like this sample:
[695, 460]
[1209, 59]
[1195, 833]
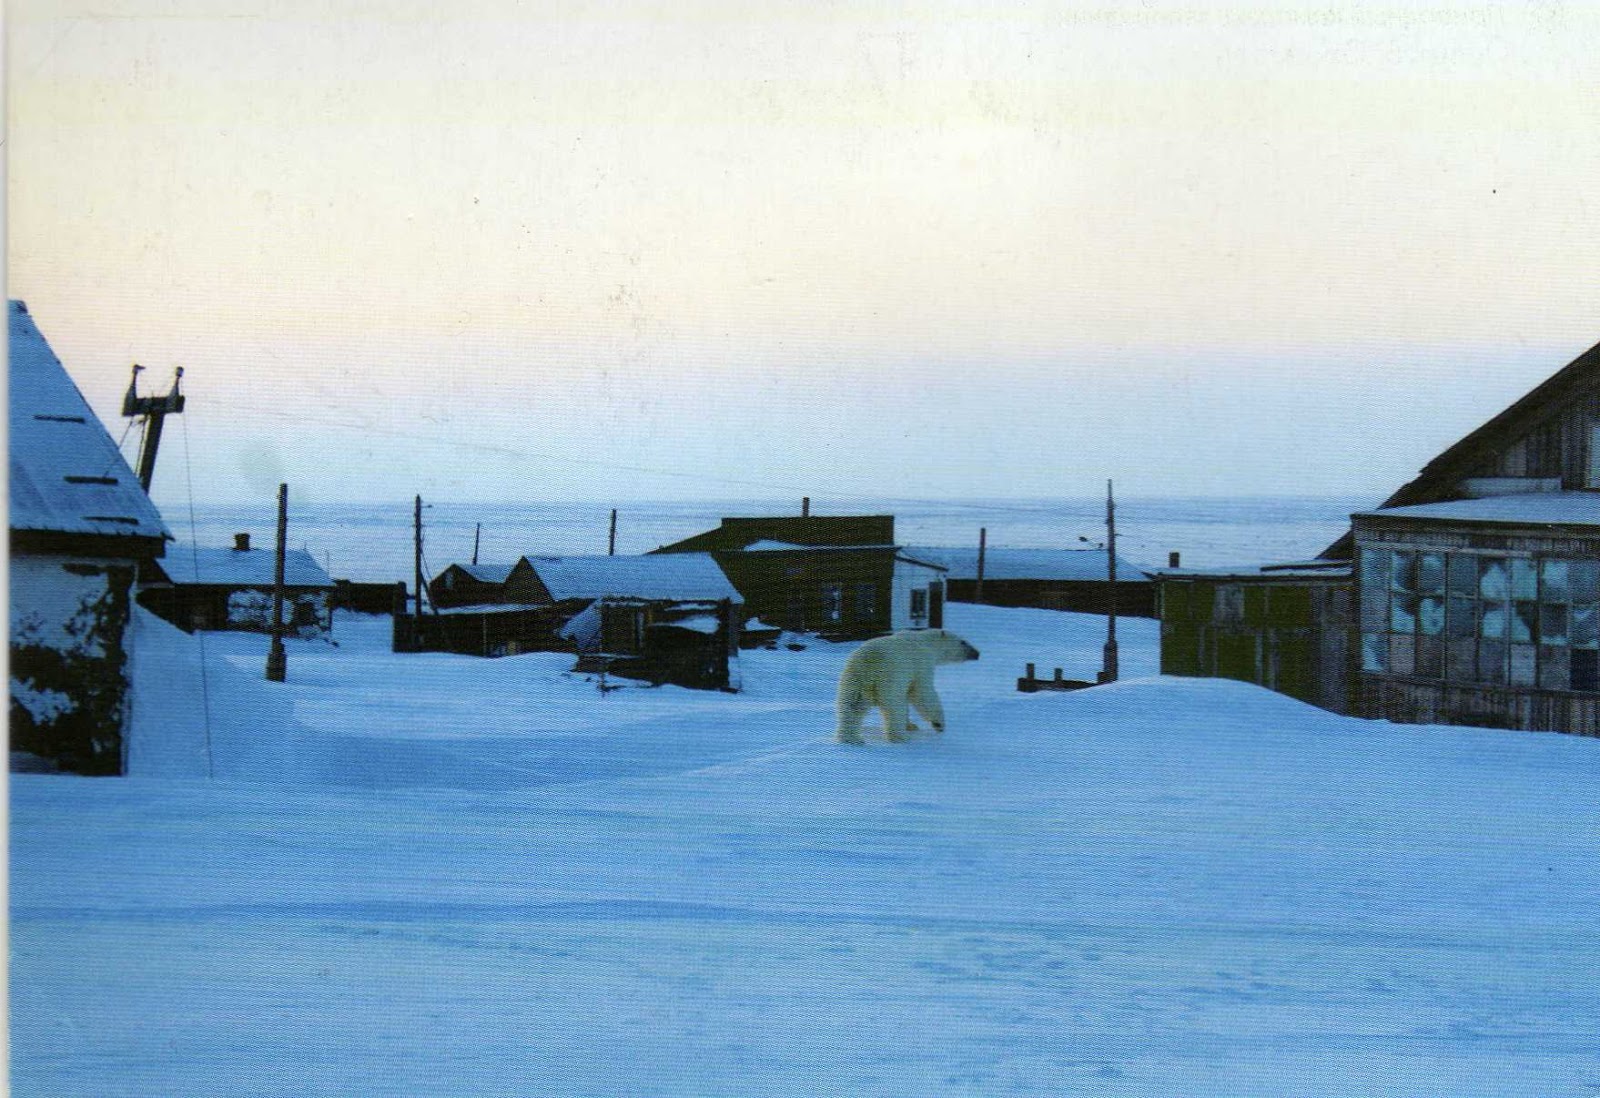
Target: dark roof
[1438, 479]
[811, 531]
[67, 476]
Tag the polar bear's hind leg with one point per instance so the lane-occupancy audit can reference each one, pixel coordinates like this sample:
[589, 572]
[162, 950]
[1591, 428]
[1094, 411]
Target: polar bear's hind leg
[925, 700]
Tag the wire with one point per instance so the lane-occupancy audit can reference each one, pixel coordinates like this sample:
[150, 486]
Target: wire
[194, 552]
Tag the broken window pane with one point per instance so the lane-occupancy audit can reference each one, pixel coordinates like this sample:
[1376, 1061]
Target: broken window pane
[1430, 573]
[1552, 623]
[1583, 580]
[1403, 573]
[1493, 583]
[1585, 625]
[1492, 622]
[1524, 622]
[1524, 579]
[1430, 616]
[1403, 614]
[1553, 586]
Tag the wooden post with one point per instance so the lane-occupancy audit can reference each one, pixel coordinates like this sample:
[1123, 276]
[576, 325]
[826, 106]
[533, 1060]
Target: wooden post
[1108, 673]
[416, 570]
[277, 658]
[611, 549]
[983, 540]
[477, 537]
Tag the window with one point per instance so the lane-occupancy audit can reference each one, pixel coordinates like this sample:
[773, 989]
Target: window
[919, 605]
[833, 603]
[866, 601]
[1485, 617]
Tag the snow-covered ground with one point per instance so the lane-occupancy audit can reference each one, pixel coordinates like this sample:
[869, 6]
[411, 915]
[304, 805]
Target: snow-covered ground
[429, 874]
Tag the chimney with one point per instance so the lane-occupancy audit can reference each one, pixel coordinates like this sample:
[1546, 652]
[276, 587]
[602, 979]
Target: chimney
[241, 543]
[805, 506]
[1172, 559]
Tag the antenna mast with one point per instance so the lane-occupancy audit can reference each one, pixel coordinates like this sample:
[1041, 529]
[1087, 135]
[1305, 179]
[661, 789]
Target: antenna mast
[154, 409]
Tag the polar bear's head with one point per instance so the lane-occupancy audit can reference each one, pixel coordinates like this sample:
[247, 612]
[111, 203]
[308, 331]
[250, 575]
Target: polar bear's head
[947, 647]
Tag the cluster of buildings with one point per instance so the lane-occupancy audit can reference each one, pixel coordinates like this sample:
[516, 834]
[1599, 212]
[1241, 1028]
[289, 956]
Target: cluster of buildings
[1470, 596]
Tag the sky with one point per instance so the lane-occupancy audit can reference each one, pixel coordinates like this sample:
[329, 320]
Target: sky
[495, 250]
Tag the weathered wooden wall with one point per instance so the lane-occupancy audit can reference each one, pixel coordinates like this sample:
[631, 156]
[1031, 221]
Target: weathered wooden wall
[1292, 637]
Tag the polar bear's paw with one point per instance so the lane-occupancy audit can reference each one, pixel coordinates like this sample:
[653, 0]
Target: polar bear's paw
[851, 738]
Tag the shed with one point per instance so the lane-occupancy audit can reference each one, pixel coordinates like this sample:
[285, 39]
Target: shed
[836, 576]
[1282, 626]
[212, 588]
[1471, 587]
[1049, 579]
[82, 529]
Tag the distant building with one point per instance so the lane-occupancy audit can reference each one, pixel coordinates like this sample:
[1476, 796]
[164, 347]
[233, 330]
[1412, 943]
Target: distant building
[470, 585]
[1050, 579]
[209, 588]
[1471, 592]
[82, 528]
[663, 619]
[836, 576]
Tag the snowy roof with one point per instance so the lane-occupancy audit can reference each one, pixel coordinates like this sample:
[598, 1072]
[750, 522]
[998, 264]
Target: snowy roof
[1336, 570]
[67, 476]
[486, 573]
[675, 576]
[1561, 508]
[202, 564]
[1027, 564]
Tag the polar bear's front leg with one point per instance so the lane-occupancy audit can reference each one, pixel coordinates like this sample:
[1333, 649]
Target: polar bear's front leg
[896, 716]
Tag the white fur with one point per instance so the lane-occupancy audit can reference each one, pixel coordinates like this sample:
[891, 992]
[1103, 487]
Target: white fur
[894, 674]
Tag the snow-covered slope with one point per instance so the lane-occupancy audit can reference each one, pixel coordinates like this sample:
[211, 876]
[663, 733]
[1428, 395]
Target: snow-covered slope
[464, 877]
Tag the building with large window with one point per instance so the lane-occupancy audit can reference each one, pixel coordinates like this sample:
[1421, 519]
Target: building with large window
[1471, 594]
[1482, 611]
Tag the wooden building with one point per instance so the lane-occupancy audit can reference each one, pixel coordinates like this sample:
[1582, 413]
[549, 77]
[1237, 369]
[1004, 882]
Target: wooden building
[662, 619]
[1482, 611]
[1049, 579]
[469, 585]
[208, 588]
[82, 529]
[1286, 627]
[841, 577]
[1471, 589]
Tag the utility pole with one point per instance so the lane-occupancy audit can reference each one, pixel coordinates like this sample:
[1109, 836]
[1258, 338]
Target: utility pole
[416, 537]
[277, 658]
[477, 536]
[611, 549]
[983, 539]
[154, 410]
[1109, 672]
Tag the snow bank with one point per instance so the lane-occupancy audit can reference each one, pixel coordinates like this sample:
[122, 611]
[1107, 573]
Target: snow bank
[488, 877]
[198, 714]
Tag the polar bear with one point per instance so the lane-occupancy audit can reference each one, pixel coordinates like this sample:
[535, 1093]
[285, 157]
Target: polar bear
[892, 673]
